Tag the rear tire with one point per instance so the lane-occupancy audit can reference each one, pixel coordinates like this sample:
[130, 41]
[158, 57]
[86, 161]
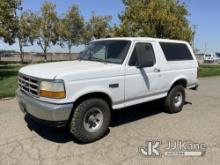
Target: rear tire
[175, 99]
[90, 120]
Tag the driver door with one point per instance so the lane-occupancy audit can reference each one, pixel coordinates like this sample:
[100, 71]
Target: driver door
[141, 82]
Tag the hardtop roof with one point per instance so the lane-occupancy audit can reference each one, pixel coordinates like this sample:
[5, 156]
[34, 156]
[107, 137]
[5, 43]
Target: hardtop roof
[143, 39]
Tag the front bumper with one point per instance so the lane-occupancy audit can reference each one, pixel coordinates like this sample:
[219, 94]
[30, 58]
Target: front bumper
[195, 87]
[50, 114]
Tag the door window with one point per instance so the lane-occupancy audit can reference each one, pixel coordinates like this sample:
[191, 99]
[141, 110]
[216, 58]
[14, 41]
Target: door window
[143, 50]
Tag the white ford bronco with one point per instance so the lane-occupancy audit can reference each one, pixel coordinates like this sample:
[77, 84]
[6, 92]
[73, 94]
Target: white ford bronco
[109, 74]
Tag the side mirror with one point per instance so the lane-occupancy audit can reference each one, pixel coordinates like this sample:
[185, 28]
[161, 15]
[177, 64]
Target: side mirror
[143, 61]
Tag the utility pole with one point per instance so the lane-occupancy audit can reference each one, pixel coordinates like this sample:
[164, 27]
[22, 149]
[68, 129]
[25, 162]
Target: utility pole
[205, 48]
[193, 40]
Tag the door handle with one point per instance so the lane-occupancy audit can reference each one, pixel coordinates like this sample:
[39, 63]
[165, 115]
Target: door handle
[156, 70]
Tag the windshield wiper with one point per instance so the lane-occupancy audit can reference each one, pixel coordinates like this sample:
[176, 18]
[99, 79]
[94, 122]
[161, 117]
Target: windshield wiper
[97, 59]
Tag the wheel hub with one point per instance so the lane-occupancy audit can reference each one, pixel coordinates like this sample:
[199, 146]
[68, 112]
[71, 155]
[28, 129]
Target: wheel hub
[93, 119]
[178, 99]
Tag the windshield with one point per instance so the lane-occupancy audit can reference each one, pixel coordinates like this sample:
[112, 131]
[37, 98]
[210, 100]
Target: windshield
[111, 51]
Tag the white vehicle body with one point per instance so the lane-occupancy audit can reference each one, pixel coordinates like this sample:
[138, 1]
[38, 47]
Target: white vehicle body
[122, 84]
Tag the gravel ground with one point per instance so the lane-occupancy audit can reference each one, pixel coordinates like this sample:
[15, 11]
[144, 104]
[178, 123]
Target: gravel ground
[23, 141]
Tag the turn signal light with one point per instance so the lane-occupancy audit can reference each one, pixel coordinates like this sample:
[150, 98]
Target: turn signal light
[54, 95]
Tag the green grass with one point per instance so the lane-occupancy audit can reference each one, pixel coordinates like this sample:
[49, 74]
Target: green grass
[8, 77]
[8, 80]
[209, 70]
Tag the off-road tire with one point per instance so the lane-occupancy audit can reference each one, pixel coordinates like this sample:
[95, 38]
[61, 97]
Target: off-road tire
[169, 103]
[77, 127]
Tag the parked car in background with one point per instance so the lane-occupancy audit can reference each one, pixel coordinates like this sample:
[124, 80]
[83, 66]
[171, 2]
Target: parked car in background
[209, 58]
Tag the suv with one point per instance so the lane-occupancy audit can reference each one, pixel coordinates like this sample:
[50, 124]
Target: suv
[109, 74]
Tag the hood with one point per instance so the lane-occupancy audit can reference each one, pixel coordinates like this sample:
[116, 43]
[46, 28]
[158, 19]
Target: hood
[52, 70]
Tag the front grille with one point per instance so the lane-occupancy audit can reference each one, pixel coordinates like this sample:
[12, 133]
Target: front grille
[28, 85]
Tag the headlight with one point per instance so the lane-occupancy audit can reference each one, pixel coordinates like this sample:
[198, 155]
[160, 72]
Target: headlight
[52, 89]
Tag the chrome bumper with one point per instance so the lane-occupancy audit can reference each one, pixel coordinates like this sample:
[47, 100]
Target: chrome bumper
[42, 110]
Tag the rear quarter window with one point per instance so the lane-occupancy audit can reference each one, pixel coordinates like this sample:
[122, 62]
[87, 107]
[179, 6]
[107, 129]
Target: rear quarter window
[176, 51]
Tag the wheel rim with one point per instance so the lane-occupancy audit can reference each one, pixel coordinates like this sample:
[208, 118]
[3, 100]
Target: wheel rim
[178, 99]
[93, 119]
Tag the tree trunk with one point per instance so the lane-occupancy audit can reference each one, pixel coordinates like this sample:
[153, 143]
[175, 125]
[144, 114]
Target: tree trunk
[45, 55]
[21, 51]
[69, 48]
[44, 46]
[45, 51]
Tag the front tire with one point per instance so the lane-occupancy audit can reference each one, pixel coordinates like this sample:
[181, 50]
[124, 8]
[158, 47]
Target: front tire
[175, 99]
[90, 120]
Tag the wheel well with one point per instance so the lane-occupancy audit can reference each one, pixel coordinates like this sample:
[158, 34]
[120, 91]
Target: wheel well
[88, 96]
[182, 82]
[94, 95]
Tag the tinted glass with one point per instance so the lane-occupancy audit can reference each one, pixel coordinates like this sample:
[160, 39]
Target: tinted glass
[176, 51]
[145, 50]
[218, 54]
[112, 51]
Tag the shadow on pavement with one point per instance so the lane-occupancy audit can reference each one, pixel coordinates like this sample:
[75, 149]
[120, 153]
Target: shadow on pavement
[119, 117]
[58, 135]
[136, 112]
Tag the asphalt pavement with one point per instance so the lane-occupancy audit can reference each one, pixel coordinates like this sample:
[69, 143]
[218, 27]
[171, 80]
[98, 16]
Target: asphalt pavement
[25, 142]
